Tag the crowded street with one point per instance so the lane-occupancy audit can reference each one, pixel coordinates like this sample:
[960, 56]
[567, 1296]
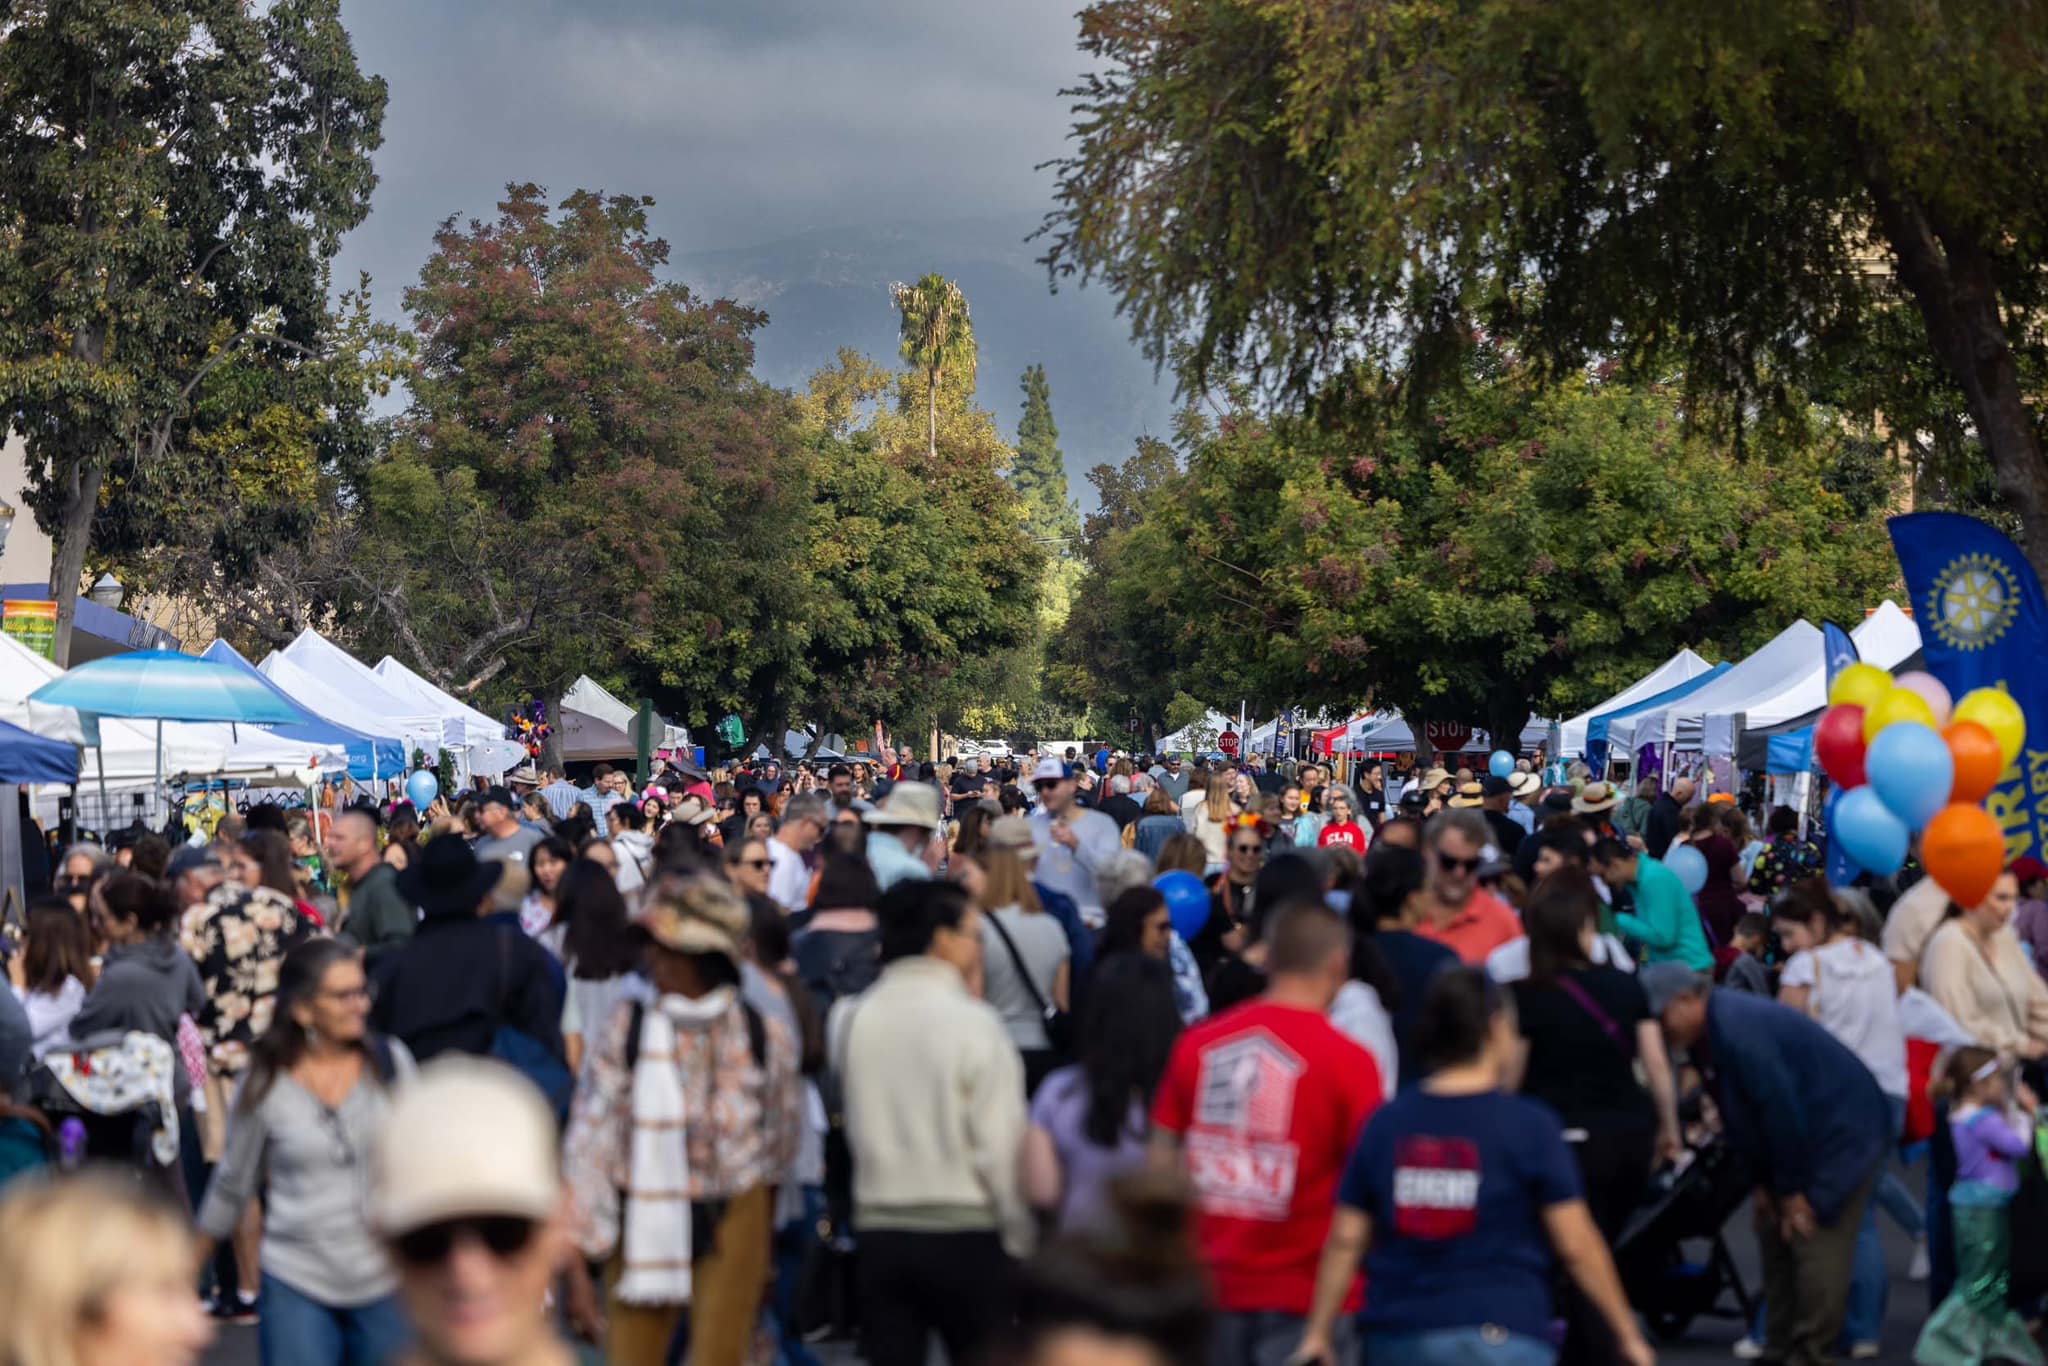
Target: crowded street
[903, 683]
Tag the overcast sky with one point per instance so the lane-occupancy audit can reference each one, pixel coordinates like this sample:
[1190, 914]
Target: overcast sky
[748, 120]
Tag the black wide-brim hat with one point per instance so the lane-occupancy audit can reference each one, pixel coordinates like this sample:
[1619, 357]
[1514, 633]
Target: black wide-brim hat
[447, 879]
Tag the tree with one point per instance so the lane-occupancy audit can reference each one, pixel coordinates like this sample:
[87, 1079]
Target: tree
[1327, 197]
[1522, 547]
[236, 526]
[922, 579]
[937, 337]
[587, 464]
[1040, 474]
[173, 177]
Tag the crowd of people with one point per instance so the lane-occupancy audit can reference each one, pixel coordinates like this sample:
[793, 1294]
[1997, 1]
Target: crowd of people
[1049, 1059]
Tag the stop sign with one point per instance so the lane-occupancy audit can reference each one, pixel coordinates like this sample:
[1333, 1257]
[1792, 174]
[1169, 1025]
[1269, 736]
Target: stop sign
[1227, 742]
[1448, 736]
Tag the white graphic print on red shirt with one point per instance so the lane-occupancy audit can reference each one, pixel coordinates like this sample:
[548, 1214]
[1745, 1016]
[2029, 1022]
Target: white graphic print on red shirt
[1239, 1153]
[1436, 1187]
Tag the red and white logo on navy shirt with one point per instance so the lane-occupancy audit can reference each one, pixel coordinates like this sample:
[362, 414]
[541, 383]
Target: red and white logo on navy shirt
[1436, 1187]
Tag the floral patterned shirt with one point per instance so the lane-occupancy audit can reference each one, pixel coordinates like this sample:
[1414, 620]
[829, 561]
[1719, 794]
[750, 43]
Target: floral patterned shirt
[236, 940]
[1783, 862]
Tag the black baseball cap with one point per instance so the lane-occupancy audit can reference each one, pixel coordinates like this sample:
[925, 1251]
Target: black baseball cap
[497, 796]
[1495, 787]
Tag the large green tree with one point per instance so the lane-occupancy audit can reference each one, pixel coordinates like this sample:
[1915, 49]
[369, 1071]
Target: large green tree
[925, 581]
[1312, 194]
[1523, 547]
[588, 466]
[173, 176]
[938, 340]
[1040, 472]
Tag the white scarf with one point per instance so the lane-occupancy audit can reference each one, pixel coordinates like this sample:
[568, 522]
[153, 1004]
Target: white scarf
[657, 1234]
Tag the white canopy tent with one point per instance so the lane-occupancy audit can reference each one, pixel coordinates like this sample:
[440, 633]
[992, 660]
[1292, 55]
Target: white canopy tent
[347, 705]
[462, 726]
[1779, 665]
[597, 725]
[1680, 667]
[1887, 638]
[1388, 733]
[341, 673]
[1215, 723]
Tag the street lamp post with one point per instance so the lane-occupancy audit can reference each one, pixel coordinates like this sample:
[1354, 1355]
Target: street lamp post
[108, 591]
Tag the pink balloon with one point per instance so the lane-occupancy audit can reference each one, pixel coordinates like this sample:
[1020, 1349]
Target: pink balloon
[1929, 687]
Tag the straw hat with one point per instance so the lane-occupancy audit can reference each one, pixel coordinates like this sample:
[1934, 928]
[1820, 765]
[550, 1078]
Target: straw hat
[1435, 778]
[1596, 797]
[1469, 795]
[912, 804]
[1523, 783]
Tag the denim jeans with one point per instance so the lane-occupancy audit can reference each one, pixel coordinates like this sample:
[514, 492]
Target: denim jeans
[297, 1330]
[792, 1245]
[1870, 1282]
[1488, 1346]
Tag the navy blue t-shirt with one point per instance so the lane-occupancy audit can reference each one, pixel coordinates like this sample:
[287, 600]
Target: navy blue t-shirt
[1456, 1187]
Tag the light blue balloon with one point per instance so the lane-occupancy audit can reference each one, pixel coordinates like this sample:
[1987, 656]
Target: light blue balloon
[1501, 765]
[1870, 834]
[1911, 771]
[1690, 865]
[422, 787]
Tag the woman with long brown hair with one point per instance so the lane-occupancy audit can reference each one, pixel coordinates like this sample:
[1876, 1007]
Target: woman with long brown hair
[1025, 953]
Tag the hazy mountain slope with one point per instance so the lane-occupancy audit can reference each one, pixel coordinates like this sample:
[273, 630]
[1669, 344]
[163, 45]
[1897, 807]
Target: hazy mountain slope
[828, 288]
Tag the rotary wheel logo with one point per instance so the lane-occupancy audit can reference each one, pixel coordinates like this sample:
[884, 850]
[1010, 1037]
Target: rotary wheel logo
[1973, 601]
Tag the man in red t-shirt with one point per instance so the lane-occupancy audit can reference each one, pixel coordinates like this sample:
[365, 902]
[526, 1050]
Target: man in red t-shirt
[1264, 1104]
[1460, 914]
[1343, 827]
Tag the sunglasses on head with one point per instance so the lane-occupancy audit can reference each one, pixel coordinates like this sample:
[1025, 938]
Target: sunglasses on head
[1449, 864]
[504, 1235]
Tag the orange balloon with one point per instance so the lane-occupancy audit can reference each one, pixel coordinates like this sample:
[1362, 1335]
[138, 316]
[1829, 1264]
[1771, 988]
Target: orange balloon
[1963, 850]
[1978, 760]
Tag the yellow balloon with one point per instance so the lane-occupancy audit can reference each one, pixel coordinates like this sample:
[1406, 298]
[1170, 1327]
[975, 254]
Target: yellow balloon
[1860, 685]
[1998, 713]
[1900, 704]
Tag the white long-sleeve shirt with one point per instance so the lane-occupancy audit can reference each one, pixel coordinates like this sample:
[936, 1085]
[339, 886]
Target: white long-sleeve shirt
[1072, 871]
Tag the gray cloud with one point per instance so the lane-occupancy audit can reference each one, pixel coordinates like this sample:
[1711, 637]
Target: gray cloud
[748, 120]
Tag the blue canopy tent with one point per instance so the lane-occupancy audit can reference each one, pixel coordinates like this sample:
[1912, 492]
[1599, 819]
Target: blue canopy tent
[1597, 727]
[369, 756]
[26, 757]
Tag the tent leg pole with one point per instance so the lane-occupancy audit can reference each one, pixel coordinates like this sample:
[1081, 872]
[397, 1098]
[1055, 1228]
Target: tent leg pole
[101, 750]
[157, 792]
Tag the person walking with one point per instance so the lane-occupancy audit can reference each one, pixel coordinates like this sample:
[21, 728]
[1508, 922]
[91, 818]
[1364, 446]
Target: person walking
[314, 1092]
[1074, 843]
[935, 1118]
[466, 1198]
[1090, 1120]
[688, 1116]
[1160, 823]
[1461, 1200]
[379, 917]
[1974, 968]
[1588, 1031]
[1456, 911]
[1809, 1119]
[1271, 1076]
[1026, 959]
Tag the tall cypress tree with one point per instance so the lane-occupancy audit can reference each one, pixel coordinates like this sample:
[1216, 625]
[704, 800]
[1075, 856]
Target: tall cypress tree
[1040, 474]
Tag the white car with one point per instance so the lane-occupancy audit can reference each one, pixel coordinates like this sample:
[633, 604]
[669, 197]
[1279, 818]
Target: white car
[993, 749]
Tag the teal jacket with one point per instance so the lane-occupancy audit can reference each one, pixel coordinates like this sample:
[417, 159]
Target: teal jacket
[1665, 920]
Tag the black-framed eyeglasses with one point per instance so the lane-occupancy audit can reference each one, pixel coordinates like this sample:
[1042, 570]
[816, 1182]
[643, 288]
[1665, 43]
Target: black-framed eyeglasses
[1247, 848]
[757, 863]
[1047, 784]
[503, 1235]
[1452, 865]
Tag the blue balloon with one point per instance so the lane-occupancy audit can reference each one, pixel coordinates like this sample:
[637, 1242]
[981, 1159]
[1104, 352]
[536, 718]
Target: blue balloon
[1911, 771]
[1870, 834]
[1187, 901]
[1690, 865]
[1501, 765]
[422, 787]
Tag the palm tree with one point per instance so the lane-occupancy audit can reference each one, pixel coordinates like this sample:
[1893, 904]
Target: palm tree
[936, 335]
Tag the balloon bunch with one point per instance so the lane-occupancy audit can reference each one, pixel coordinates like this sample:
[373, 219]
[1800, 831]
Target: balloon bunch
[1907, 761]
[529, 726]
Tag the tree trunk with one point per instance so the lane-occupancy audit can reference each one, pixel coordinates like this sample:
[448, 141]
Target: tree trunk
[67, 561]
[1954, 284]
[931, 410]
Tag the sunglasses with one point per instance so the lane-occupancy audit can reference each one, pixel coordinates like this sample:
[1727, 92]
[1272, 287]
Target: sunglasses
[1048, 785]
[1451, 865]
[756, 863]
[504, 1235]
[1248, 849]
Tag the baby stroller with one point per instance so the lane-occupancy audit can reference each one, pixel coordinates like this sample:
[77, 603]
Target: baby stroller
[109, 1098]
[1692, 1204]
